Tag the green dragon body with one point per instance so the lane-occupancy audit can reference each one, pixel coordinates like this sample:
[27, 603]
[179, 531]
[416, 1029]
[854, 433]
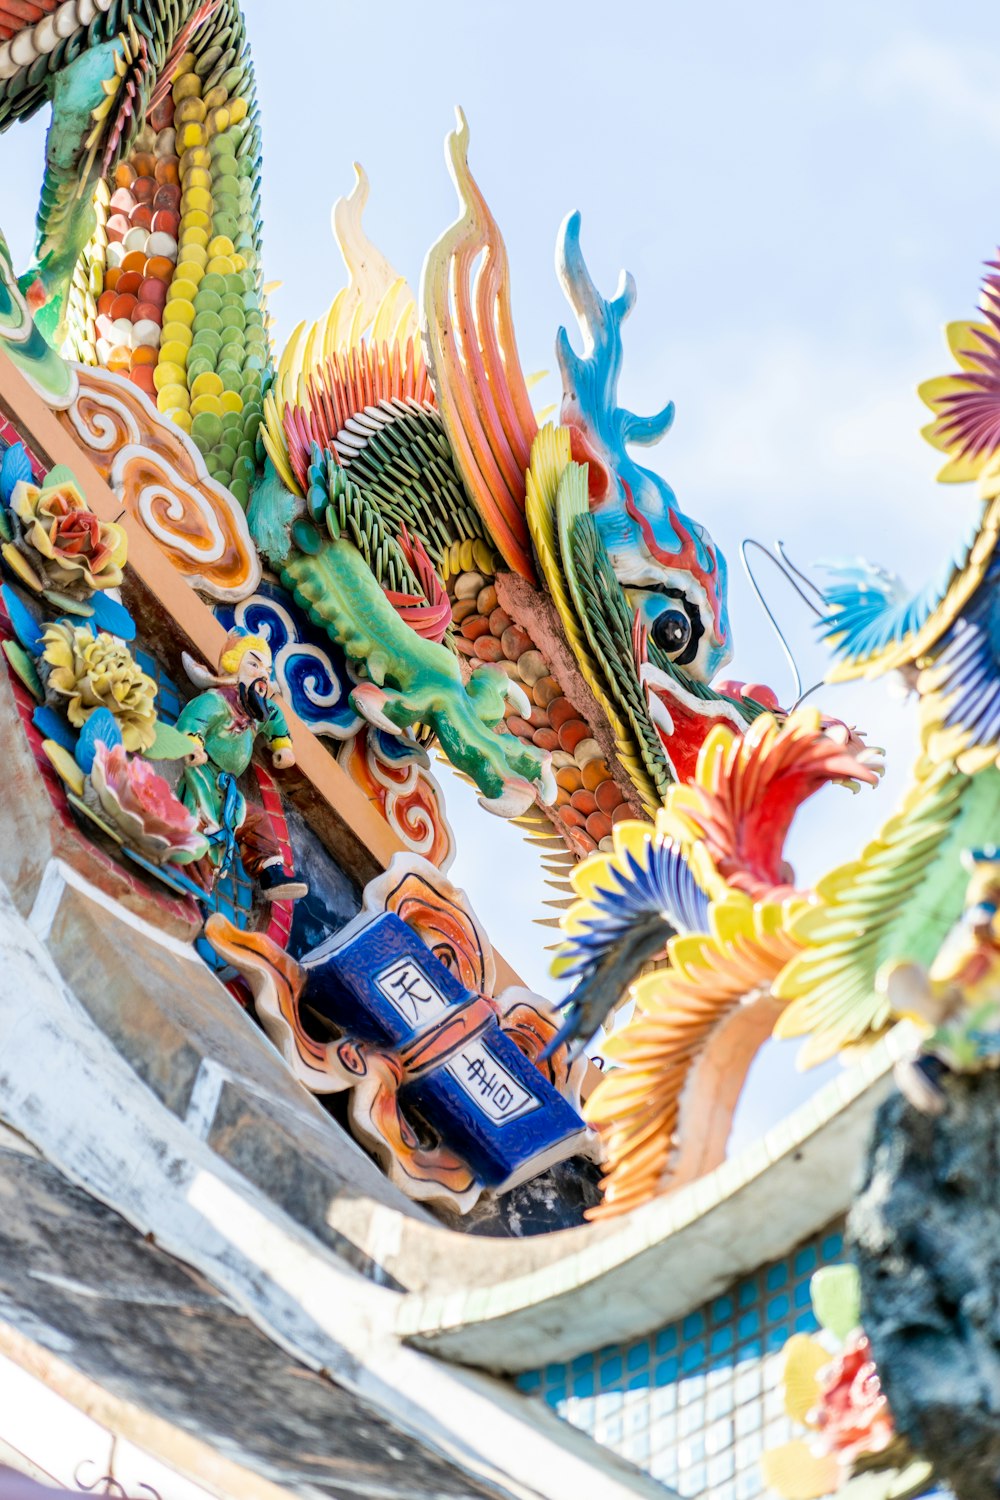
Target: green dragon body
[411, 681]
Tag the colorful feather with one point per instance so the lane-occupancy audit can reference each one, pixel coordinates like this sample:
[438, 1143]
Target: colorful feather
[468, 334]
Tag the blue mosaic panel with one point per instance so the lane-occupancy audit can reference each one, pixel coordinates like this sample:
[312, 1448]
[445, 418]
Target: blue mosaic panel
[697, 1402]
[168, 700]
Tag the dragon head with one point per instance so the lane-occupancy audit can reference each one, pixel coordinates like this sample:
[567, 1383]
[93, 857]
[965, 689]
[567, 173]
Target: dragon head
[673, 574]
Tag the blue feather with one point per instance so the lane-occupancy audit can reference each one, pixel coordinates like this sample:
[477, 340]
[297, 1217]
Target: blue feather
[23, 622]
[111, 616]
[644, 903]
[100, 726]
[662, 883]
[966, 672]
[14, 467]
[869, 609]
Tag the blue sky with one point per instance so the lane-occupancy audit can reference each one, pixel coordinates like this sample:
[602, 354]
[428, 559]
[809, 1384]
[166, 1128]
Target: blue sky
[804, 194]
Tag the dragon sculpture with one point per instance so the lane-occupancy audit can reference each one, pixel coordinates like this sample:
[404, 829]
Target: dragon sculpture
[528, 597]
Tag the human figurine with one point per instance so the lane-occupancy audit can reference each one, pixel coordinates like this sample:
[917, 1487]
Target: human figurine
[239, 705]
[959, 996]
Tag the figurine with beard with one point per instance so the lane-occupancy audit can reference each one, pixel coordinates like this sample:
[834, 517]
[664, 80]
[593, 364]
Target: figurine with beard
[237, 706]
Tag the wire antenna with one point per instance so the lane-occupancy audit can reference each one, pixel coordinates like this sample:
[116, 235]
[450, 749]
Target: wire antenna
[787, 570]
[790, 567]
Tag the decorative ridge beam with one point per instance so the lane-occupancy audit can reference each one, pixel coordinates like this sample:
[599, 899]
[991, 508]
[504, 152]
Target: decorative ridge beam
[338, 811]
[349, 825]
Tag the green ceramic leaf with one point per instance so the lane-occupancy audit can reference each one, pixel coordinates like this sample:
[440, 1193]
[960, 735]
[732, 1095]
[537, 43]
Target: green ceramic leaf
[169, 743]
[86, 811]
[59, 474]
[25, 668]
[316, 503]
[67, 603]
[913, 1480]
[889, 1484]
[836, 1299]
[305, 537]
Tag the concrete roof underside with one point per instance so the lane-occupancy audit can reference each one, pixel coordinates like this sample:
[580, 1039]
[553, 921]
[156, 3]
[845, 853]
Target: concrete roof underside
[147, 1347]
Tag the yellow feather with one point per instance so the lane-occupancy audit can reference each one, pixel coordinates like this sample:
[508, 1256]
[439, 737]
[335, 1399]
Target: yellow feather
[794, 1472]
[804, 1358]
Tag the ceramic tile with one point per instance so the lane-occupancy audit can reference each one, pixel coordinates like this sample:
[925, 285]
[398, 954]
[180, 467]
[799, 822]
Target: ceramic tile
[695, 1402]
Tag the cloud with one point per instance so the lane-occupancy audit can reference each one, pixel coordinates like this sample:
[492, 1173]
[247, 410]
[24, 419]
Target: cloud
[796, 411]
[956, 84]
[818, 445]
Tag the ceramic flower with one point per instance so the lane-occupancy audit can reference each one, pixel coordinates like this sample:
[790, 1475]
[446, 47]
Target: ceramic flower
[88, 672]
[966, 401]
[839, 1399]
[64, 542]
[140, 805]
[852, 1446]
[851, 1415]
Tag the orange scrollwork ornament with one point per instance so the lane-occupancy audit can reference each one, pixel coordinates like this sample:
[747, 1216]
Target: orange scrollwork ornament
[163, 484]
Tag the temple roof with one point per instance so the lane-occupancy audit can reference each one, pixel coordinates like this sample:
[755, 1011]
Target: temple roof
[100, 1306]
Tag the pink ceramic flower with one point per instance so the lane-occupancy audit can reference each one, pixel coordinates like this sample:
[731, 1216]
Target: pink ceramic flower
[143, 809]
[852, 1415]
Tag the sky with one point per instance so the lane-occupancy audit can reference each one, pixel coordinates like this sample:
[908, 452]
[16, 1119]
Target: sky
[804, 194]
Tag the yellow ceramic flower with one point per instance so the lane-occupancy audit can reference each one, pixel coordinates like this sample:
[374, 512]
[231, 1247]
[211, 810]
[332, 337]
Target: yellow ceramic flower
[93, 672]
[63, 541]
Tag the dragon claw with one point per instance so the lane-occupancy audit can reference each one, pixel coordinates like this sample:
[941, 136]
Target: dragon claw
[515, 799]
[370, 702]
[519, 793]
[516, 695]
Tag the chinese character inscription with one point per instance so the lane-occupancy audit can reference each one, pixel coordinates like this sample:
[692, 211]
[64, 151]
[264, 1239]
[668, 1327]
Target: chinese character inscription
[408, 990]
[488, 1083]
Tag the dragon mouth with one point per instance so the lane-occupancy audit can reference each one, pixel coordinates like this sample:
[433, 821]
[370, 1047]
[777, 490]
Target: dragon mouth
[682, 718]
[656, 705]
[661, 690]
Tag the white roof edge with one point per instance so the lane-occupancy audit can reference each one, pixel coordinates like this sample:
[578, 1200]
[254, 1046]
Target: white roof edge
[673, 1254]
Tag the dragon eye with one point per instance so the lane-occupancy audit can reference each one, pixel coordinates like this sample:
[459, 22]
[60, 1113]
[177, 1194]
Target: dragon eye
[672, 631]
